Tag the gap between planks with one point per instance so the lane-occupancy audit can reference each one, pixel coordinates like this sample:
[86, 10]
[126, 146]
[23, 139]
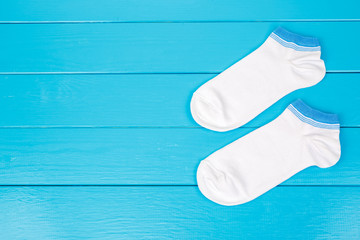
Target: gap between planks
[179, 21]
[154, 185]
[141, 73]
[119, 127]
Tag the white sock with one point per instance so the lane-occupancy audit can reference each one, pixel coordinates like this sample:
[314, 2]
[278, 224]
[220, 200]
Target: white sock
[283, 63]
[243, 170]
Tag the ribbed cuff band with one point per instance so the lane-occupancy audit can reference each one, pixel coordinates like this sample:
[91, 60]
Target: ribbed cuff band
[295, 41]
[314, 117]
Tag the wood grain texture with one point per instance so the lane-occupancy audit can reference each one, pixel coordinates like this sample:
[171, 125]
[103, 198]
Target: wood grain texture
[86, 99]
[146, 100]
[138, 156]
[176, 10]
[295, 213]
[159, 47]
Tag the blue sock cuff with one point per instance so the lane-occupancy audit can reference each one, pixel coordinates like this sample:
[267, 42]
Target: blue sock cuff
[314, 117]
[295, 41]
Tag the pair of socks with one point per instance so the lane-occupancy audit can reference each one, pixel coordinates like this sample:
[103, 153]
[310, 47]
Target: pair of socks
[300, 137]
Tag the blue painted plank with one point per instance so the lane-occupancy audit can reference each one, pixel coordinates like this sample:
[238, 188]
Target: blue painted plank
[177, 213]
[159, 47]
[177, 10]
[144, 156]
[145, 100]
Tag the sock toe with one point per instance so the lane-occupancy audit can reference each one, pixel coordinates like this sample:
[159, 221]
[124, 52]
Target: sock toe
[216, 185]
[206, 114]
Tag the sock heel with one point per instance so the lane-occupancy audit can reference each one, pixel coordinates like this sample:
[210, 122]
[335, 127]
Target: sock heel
[324, 137]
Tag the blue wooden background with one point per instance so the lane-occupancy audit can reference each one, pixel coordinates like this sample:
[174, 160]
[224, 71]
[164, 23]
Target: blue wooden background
[96, 136]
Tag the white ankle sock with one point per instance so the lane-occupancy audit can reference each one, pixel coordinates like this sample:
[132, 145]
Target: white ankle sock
[243, 170]
[283, 63]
